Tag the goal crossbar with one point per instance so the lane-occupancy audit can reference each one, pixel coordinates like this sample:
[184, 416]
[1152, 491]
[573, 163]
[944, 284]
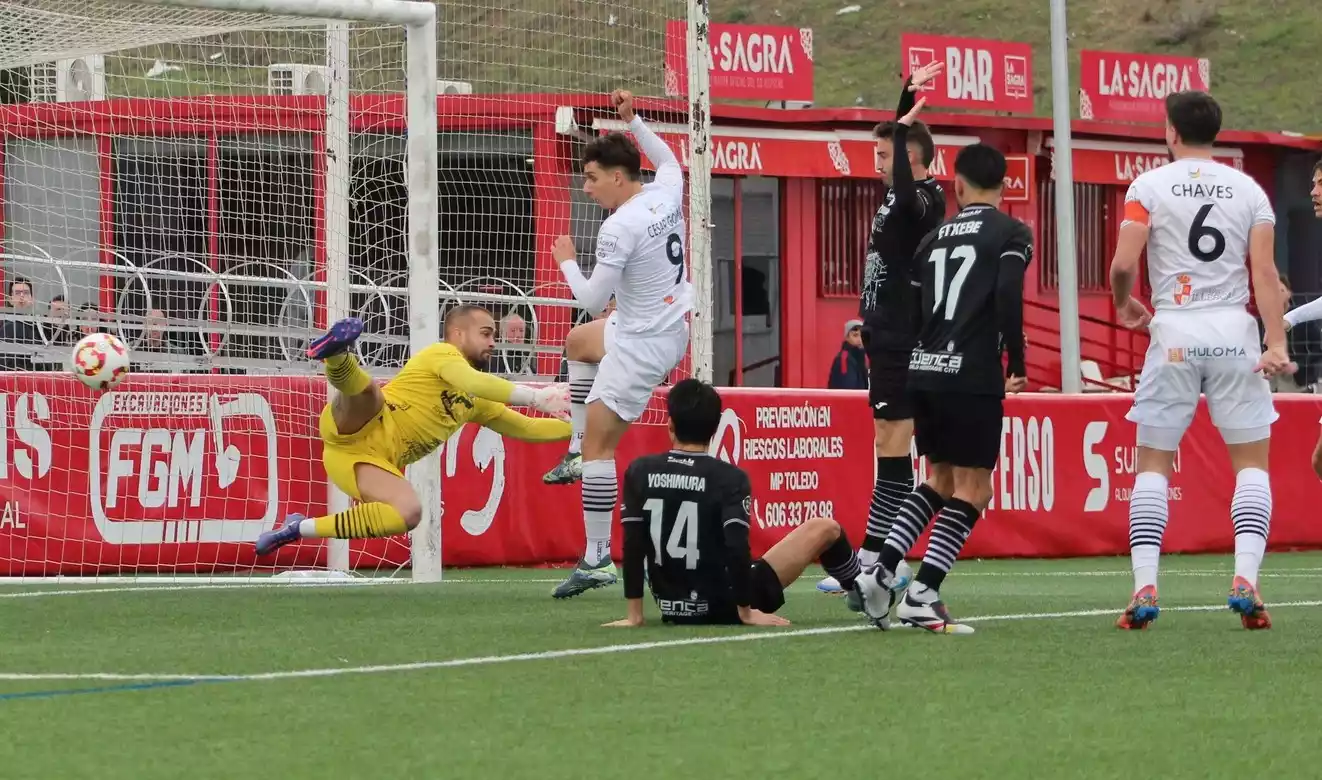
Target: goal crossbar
[403, 12]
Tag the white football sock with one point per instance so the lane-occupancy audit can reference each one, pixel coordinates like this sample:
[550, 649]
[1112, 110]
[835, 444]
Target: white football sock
[581, 377]
[600, 492]
[1251, 512]
[1148, 513]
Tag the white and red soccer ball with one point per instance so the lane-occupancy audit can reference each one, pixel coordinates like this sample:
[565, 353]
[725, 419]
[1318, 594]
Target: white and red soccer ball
[100, 361]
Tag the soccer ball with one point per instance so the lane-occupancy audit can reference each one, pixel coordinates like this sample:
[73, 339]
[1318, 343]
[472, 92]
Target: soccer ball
[100, 361]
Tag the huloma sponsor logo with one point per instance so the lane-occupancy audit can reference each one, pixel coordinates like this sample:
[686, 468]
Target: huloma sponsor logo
[1197, 354]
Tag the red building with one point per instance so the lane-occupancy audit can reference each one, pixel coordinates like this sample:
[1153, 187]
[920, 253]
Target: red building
[233, 183]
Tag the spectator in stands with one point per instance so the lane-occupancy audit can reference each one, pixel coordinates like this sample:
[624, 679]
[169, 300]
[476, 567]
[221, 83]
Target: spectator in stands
[157, 343]
[59, 333]
[514, 358]
[19, 327]
[153, 333]
[89, 313]
[62, 333]
[849, 368]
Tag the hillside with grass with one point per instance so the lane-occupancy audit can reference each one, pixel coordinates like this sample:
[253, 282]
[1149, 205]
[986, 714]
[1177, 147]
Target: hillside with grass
[1266, 55]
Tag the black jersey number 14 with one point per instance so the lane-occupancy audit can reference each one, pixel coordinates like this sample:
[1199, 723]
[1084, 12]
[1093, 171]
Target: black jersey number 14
[683, 542]
[963, 254]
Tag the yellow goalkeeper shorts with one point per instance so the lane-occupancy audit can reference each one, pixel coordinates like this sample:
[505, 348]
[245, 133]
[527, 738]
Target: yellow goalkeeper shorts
[377, 443]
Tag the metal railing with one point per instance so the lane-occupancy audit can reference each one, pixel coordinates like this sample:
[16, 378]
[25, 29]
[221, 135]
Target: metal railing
[1116, 351]
[208, 312]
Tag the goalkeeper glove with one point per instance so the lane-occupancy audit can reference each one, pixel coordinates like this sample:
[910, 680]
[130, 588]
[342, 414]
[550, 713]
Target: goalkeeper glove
[552, 399]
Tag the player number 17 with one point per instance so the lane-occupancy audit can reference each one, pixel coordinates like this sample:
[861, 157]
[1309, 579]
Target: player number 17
[683, 541]
[965, 255]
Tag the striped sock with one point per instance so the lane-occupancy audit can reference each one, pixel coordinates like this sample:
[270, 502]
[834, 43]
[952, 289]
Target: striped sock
[1147, 525]
[345, 375]
[361, 521]
[951, 531]
[581, 377]
[914, 515]
[1251, 512]
[893, 485]
[840, 561]
[600, 491]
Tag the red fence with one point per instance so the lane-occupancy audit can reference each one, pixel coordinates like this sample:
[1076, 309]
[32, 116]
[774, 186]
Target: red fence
[180, 474]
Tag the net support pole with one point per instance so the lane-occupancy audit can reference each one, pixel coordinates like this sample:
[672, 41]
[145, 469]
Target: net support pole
[1067, 268]
[336, 231]
[424, 269]
[700, 164]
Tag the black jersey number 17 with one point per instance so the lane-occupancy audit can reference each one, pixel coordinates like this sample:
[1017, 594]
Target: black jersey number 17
[675, 253]
[964, 254]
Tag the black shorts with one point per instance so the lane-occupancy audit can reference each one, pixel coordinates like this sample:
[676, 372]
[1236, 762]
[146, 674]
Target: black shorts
[888, 379]
[768, 596]
[959, 429]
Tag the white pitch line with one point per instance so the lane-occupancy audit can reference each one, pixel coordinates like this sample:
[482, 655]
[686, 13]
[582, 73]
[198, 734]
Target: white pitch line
[549, 655]
[147, 588]
[1299, 573]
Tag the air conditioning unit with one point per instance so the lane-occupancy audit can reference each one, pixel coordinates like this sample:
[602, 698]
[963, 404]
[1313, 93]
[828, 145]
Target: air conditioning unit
[444, 87]
[293, 79]
[64, 81]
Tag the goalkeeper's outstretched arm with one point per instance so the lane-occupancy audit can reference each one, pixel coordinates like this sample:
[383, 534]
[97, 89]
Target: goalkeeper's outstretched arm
[507, 422]
[452, 367]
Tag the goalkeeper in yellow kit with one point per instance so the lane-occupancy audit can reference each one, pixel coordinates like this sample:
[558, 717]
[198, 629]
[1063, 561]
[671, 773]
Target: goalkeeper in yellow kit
[371, 433]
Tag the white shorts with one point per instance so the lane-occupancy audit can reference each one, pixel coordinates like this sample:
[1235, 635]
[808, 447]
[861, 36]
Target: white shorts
[1211, 352]
[634, 366]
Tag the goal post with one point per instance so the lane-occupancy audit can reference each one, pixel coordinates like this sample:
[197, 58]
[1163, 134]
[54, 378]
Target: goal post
[215, 181]
[109, 286]
[698, 53]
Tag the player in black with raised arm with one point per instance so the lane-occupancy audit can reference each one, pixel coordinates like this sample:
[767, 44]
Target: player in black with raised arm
[972, 271]
[686, 519]
[914, 205]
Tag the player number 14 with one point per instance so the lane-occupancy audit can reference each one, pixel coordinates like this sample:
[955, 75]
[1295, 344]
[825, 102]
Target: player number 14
[683, 541]
[965, 255]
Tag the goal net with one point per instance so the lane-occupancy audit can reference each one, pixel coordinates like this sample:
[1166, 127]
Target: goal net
[216, 180]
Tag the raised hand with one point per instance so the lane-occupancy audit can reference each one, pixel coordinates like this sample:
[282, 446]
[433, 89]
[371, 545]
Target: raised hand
[623, 101]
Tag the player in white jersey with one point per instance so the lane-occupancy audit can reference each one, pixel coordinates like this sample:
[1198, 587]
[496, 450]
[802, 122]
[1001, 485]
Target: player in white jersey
[1198, 219]
[1313, 309]
[616, 363]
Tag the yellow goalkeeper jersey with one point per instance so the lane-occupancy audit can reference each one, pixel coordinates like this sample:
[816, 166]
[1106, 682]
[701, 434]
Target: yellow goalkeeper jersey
[438, 391]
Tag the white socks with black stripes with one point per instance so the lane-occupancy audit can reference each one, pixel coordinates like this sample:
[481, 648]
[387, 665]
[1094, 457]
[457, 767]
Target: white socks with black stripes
[1148, 512]
[1251, 512]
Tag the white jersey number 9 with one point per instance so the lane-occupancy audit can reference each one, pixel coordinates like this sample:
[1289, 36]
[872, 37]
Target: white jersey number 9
[675, 254]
